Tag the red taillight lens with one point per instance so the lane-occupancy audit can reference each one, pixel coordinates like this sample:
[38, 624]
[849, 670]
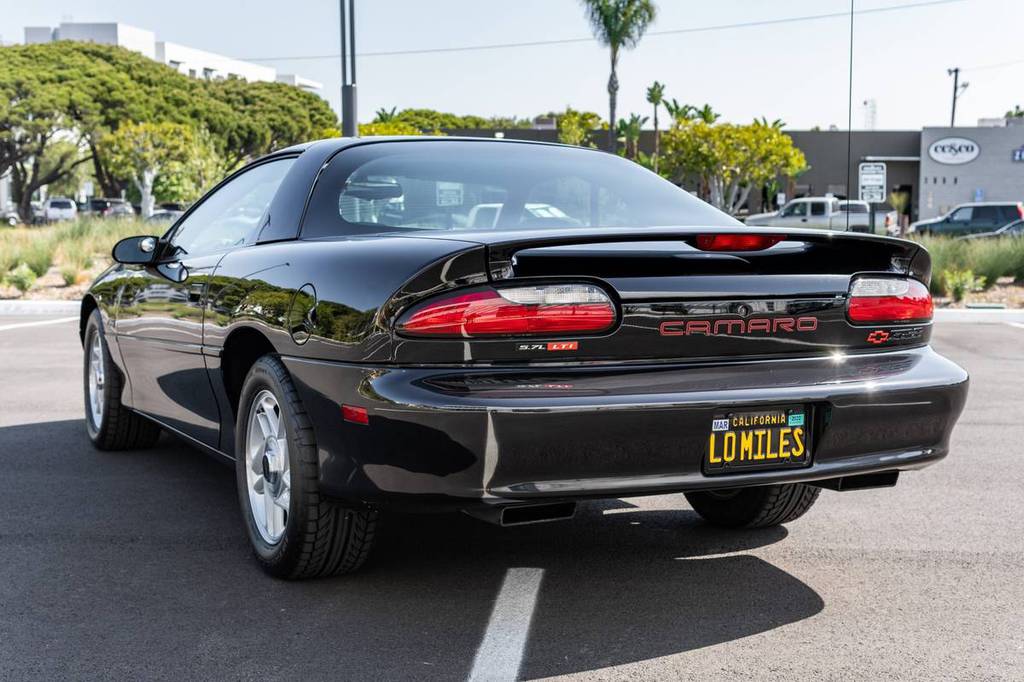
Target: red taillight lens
[888, 299]
[542, 310]
[737, 242]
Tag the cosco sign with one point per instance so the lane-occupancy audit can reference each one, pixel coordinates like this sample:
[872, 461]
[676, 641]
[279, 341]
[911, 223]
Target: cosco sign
[954, 150]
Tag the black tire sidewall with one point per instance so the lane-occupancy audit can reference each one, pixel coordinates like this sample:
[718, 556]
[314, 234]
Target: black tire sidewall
[93, 327]
[281, 557]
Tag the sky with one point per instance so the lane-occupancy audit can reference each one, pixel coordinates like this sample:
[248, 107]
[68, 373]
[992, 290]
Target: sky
[797, 71]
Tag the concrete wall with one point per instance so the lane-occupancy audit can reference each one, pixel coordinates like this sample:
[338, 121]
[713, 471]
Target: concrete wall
[992, 176]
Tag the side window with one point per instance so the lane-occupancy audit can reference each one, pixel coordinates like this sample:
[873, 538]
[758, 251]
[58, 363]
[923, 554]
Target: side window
[796, 209]
[231, 216]
[818, 208]
[986, 214]
[962, 215]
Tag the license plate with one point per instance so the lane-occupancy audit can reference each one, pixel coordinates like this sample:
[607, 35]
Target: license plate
[770, 438]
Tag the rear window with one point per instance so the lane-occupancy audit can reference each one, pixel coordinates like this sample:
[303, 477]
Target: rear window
[403, 187]
[60, 203]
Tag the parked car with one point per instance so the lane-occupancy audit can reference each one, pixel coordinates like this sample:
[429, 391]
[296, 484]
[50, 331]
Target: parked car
[167, 217]
[9, 216]
[110, 208]
[860, 217]
[59, 208]
[322, 319]
[814, 212]
[1014, 229]
[971, 218]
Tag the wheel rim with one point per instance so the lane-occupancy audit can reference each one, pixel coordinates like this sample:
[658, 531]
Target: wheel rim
[97, 380]
[267, 470]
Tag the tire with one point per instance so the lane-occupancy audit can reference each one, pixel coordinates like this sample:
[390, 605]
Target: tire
[760, 507]
[309, 535]
[110, 424]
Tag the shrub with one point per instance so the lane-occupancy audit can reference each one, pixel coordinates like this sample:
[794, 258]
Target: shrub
[21, 278]
[959, 283]
[69, 274]
[38, 254]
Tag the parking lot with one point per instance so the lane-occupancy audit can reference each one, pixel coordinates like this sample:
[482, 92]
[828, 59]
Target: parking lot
[134, 564]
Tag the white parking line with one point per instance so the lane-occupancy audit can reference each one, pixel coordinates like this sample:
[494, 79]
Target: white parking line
[21, 325]
[1019, 325]
[501, 651]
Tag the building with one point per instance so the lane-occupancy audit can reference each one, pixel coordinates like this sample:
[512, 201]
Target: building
[186, 60]
[959, 165]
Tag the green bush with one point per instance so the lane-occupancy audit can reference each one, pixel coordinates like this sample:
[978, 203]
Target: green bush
[38, 254]
[988, 258]
[959, 283]
[21, 278]
[69, 274]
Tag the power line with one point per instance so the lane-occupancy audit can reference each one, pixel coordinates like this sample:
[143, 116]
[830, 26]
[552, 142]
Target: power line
[565, 41]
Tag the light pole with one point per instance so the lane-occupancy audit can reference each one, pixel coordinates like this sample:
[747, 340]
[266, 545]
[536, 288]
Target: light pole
[349, 117]
[958, 90]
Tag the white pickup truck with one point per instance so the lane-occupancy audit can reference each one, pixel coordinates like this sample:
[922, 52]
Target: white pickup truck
[823, 213]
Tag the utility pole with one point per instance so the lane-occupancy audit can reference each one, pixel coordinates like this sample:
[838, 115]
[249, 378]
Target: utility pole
[958, 90]
[349, 117]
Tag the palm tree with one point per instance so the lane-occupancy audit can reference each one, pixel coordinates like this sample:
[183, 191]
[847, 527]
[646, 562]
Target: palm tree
[386, 115]
[707, 114]
[679, 111]
[618, 24]
[655, 95]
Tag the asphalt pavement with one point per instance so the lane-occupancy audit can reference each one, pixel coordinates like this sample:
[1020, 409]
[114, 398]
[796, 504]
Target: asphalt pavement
[135, 565]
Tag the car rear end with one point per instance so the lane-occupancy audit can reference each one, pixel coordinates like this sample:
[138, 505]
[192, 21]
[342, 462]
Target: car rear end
[539, 365]
[630, 364]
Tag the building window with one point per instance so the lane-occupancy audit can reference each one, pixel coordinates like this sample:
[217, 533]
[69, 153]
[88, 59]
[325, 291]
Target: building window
[191, 73]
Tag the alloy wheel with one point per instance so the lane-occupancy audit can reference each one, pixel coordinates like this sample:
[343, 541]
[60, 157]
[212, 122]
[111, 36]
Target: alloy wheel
[267, 469]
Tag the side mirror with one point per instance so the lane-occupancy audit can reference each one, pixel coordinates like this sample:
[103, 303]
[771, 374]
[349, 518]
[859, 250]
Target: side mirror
[135, 250]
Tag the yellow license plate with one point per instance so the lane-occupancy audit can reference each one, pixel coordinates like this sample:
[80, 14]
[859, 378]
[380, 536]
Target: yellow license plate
[775, 438]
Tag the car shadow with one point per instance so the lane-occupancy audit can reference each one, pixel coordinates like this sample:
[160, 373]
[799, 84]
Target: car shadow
[149, 544]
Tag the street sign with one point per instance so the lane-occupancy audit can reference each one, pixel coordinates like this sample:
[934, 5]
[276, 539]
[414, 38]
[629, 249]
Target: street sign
[871, 178]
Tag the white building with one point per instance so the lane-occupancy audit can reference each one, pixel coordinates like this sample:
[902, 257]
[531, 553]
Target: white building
[186, 60]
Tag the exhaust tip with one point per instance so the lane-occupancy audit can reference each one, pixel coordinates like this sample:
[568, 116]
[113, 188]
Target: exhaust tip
[883, 479]
[521, 515]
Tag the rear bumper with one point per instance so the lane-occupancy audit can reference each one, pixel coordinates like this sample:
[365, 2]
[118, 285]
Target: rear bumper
[457, 437]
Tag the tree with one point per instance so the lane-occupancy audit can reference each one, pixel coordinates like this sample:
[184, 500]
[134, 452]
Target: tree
[144, 151]
[574, 127]
[387, 128]
[618, 25]
[655, 95]
[385, 115]
[679, 111]
[1016, 112]
[629, 132]
[728, 160]
[265, 116]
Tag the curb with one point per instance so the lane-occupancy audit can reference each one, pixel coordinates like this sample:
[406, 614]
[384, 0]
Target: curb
[978, 315]
[12, 308]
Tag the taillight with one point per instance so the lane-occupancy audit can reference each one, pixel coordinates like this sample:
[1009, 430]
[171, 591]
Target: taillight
[1020, 210]
[889, 299]
[737, 242]
[537, 310]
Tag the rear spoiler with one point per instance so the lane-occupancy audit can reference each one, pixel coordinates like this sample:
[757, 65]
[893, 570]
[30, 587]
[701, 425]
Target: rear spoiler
[847, 251]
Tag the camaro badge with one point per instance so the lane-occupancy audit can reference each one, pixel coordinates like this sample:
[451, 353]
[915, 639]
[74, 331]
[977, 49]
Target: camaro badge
[739, 326]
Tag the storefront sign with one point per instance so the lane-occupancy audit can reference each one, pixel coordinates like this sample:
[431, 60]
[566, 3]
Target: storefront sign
[954, 151]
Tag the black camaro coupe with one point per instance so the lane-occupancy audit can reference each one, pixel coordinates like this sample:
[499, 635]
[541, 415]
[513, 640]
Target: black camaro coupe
[504, 328]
